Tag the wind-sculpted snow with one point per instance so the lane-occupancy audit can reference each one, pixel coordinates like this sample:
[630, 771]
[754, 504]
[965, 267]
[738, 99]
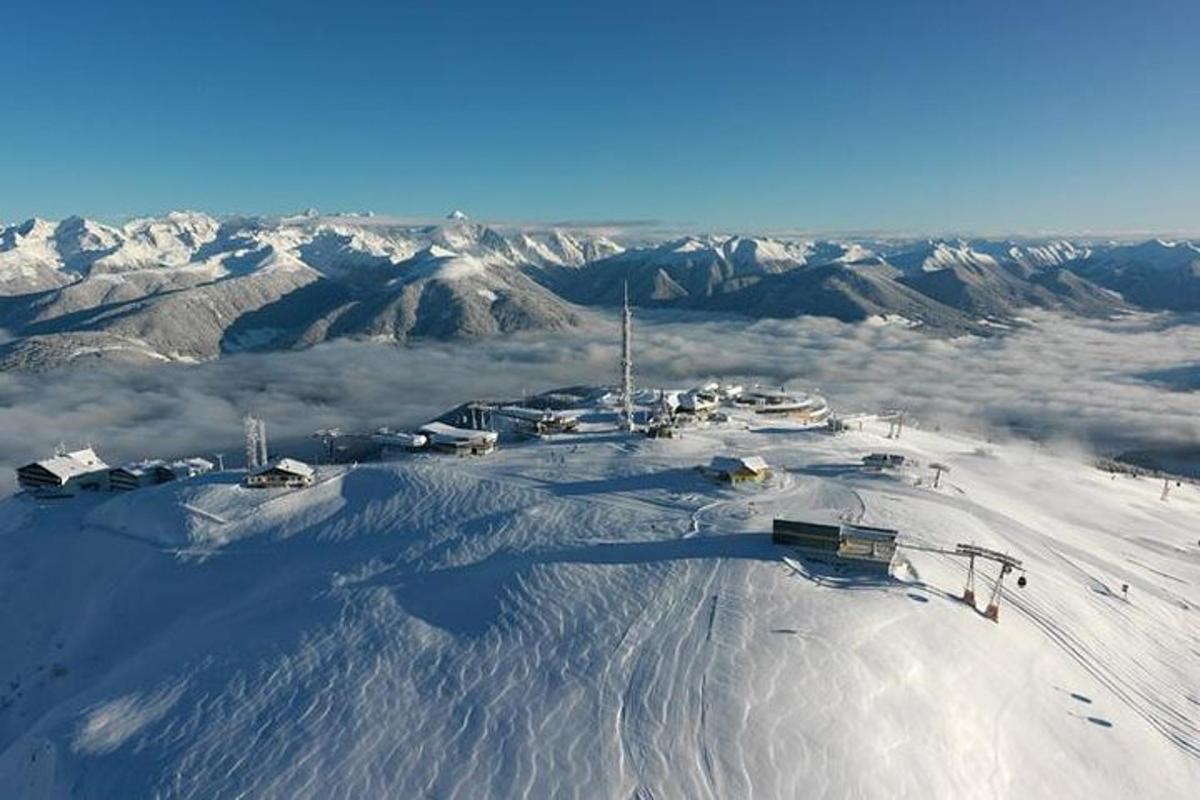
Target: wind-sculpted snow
[111, 724]
[589, 617]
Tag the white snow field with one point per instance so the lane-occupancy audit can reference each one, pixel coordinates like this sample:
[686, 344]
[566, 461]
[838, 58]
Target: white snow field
[589, 617]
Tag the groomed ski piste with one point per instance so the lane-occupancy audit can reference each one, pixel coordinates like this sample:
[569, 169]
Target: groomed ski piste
[588, 616]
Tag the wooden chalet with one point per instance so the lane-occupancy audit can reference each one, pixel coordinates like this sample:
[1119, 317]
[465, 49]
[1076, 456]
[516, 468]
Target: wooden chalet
[155, 471]
[65, 474]
[737, 469]
[281, 473]
[138, 474]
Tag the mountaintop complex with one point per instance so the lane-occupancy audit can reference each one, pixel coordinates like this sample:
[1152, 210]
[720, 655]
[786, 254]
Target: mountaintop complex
[598, 613]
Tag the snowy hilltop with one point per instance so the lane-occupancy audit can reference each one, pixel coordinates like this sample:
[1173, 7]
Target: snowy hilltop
[187, 287]
[589, 615]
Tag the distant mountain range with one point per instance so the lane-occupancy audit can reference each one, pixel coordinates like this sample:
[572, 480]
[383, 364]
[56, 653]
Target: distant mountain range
[186, 286]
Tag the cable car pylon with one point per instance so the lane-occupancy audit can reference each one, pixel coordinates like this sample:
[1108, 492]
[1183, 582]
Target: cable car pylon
[971, 552]
[1007, 564]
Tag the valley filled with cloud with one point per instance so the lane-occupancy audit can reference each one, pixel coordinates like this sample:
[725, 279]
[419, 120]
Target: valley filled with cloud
[1106, 385]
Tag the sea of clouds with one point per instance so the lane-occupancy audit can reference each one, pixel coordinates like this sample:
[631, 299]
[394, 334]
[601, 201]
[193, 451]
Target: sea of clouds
[1103, 384]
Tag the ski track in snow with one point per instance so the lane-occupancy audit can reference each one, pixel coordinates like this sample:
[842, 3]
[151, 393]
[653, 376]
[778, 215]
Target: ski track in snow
[1121, 672]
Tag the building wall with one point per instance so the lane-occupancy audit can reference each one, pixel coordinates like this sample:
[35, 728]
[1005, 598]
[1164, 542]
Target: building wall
[823, 539]
[464, 448]
[276, 480]
[89, 482]
[119, 479]
[35, 477]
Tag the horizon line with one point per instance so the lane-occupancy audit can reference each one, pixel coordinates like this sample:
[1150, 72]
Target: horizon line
[652, 228]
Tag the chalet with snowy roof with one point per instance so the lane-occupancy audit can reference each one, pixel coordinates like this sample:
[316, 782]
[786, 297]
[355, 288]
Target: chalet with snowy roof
[138, 474]
[737, 469]
[155, 471]
[281, 473]
[65, 474]
[460, 441]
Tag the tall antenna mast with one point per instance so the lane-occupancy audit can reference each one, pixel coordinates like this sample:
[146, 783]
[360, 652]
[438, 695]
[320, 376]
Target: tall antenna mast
[626, 364]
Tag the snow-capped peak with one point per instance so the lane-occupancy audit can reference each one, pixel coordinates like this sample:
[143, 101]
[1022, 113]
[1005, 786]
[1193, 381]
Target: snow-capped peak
[436, 251]
[33, 228]
[938, 254]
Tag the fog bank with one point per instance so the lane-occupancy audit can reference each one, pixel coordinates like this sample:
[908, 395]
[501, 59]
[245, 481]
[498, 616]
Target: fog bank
[1097, 383]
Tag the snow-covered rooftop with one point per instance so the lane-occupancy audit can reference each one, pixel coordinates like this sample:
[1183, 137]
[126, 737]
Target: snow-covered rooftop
[289, 465]
[441, 432]
[142, 467]
[738, 463]
[73, 464]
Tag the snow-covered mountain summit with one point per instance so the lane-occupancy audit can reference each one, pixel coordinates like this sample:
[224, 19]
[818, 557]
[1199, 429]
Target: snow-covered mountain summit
[937, 255]
[595, 618]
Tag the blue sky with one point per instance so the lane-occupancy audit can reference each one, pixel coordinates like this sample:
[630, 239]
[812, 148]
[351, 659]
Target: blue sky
[884, 115]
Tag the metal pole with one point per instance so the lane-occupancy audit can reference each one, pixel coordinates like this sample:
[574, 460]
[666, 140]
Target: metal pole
[992, 611]
[969, 591]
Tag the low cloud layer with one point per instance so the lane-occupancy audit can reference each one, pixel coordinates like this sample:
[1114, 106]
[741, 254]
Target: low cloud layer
[1062, 379]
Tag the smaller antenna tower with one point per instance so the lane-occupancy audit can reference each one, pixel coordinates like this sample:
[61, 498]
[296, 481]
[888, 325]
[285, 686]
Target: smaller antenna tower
[250, 425]
[256, 442]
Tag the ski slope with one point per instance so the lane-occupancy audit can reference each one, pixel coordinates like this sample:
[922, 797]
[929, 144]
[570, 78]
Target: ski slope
[589, 617]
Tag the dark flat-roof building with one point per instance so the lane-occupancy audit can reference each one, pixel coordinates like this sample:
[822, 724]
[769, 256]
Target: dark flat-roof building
[861, 545]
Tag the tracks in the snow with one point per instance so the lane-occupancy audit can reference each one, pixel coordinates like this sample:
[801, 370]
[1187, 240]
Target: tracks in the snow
[1127, 679]
[1176, 726]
